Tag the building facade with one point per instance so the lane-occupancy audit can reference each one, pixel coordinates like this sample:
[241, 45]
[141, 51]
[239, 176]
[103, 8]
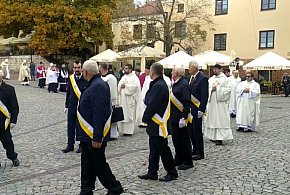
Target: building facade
[250, 28]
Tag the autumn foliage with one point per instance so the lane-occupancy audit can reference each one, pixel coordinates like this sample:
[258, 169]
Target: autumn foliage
[58, 24]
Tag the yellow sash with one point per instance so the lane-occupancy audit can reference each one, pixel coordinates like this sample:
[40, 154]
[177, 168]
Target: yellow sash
[89, 130]
[195, 101]
[6, 113]
[162, 122]
[75, 86]
[179, 106]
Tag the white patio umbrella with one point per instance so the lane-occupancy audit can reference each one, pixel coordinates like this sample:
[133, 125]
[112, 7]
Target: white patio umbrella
[213, 57]
[138, 52]
[180, 59]
[141, 52]
[106, 56]
[268, 61]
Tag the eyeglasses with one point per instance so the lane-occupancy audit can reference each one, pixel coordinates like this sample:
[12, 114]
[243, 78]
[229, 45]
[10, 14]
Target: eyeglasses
[248, 76]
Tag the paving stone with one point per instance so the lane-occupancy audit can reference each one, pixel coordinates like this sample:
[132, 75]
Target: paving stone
[253, 163]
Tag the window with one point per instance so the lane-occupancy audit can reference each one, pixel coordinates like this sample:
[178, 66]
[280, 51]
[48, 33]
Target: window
[180, 8]
[180, 29]
[221, 7]
[137, 31]
[268, 4]
[220, 42]
[266, 39]
[151, 31]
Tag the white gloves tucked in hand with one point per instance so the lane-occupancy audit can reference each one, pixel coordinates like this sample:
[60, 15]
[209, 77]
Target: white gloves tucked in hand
[12, 125]
[199, 114]
[65, 110]
[181, 123]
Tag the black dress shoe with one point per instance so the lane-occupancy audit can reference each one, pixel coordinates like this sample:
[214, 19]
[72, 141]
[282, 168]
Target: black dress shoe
[148, 176]
[79, 150]
[184, 167]
[168, 177]
[212, 140]
[16, 162]
[197, 157]
[68, 149]
[240, 129]
[219, 142]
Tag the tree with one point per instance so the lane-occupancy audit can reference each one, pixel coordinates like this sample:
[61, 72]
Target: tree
[182, 23]
[60, 24]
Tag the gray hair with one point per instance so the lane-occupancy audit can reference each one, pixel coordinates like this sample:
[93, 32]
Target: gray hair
[180, 70]
[194, 63]
[91, 66]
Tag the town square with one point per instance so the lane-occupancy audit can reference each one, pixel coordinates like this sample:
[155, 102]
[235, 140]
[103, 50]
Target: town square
[144, 97]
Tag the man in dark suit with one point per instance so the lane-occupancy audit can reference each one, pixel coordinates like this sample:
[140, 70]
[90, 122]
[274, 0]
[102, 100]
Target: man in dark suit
[93, 131]
[156, 116]
[199, 96]
[180, 109]
[76, 84]
[9, 110]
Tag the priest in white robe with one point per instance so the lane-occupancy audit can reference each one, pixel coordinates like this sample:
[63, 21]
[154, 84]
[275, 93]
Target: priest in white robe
[217, 121]
[234, 81]
[144, 90]
[129, 89]
[24, 74]
[248, 104]
[112, 82]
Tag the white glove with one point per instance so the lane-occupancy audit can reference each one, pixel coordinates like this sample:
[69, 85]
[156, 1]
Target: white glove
[199, 114]
[65, 110]
[181, 123]
[12, 125]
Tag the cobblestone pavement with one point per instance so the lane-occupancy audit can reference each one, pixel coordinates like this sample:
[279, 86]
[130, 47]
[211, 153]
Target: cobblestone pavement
[253, 163]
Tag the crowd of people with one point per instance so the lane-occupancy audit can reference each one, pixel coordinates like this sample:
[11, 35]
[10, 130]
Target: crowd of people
[178, 106]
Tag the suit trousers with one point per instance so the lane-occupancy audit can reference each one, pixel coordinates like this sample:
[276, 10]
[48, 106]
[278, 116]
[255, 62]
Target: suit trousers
[71, 127]
[7, 142]
[196, 137]
[182, 145]
[159, 147]
[94, 164]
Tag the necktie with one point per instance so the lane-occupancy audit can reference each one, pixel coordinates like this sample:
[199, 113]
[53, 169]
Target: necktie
[192, 80]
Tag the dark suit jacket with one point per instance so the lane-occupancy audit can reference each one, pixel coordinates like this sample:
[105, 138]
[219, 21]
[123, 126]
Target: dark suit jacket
[156, 100]
[181, 91]
[71, 98]
[199, 89]
[95, 107]
[9, 99]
